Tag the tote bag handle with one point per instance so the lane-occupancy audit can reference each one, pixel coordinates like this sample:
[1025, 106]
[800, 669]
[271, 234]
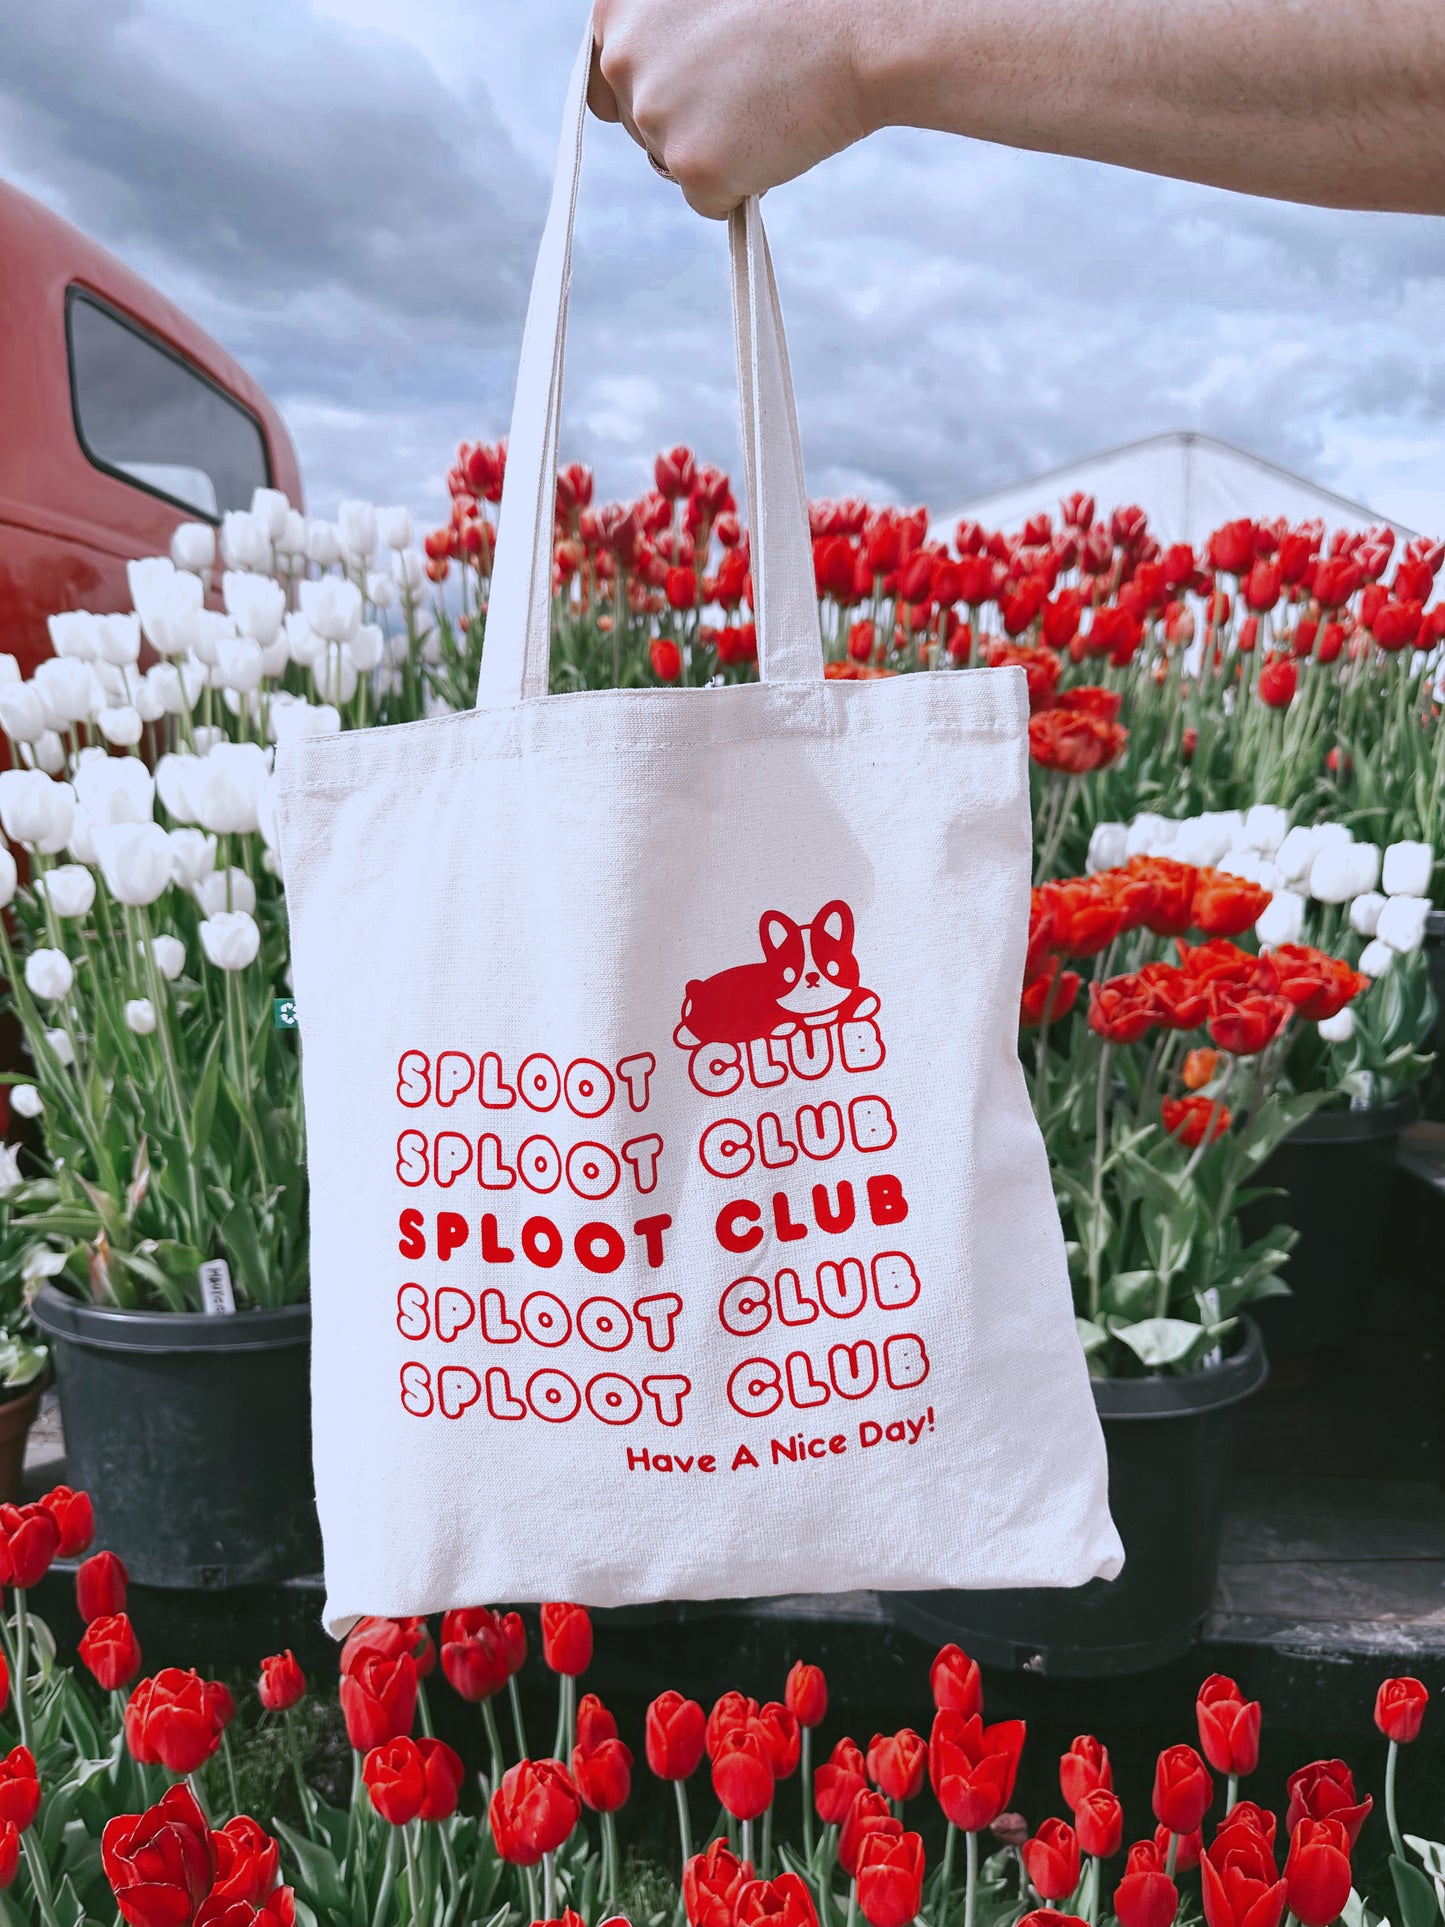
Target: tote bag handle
[790, 648]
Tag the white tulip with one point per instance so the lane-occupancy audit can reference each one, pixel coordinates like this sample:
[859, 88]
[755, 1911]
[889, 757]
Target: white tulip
[357, 524]
[266, 822]
[49, 974]
[168, 614]
[393, 525]
[193, 547]
[332, 606]
[231, 939]
[112, 687]
[381, 590]
[1265, 827]
[291, 542]
[140, 1016]
[1297, 852]
[239, 663]
[69, 889]
[305, 645]
[10, 1174]
[81, 842]
[1282, 919]
[245, 541]
[60, 1043]
[1365, 913]
[225, 890]
[212, 629]
[206, 736]
[256, 602]
[174, 773]
[146, 702]
[1407, 869]
[23, 714]
[149, 576]
[270, 507]
[335, 675]
[35, 810]
[135, 859]
[65, 687]
[1333, 874]
[9, 671]
[1376, 958]
[224, 786]
[1204, 839]
[295, 718]
[367, 647]
[170, 956]
[175, 688]
[1366, 859]
[193, 856]
[1241, 863]
[323, 544]
[1108, 847]
[409, 568]
[72, 634]
[121, 726]
[47, 754]
[117, 639]
[114, 789]
[25, 1100]
[1338, 1029]
[9, 877]
[1402, 924]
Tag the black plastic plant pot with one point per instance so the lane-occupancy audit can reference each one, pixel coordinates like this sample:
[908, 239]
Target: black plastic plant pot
[1435, 964]
[1169, 1442]
[1337, 1171]
[192, 1435]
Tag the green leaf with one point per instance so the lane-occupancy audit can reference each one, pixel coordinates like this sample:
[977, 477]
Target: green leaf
[318, 1872]
[1431, 1852]
[1131, 1294]
[1158, 1341]
[1091, 1336]
[1419, 1906]
[203, 1107]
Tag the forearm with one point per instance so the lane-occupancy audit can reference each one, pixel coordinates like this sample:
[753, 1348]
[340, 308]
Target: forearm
[1339, 102]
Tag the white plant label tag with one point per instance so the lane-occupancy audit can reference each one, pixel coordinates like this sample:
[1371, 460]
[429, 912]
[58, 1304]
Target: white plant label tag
[217, 1298]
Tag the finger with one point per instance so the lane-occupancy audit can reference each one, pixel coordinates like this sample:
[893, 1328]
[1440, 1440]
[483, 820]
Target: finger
[600, 97]
[709, 202]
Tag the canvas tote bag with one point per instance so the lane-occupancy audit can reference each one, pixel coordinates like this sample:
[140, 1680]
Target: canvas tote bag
[680, 1225]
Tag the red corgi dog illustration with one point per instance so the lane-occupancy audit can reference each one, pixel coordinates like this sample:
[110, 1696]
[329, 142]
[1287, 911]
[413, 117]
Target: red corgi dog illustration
[808, 975]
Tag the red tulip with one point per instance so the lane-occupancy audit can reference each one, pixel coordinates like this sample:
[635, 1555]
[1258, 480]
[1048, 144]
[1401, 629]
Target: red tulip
[283, 1683]
[160, 1863]
[1186, 1119]
[838, 1782]
[443, 1773]
[1051, 1917]
[1399, 1709]
[1182, 1789]
[1228, 1723]
[176, 1719]
[9, 1854]
[957, 1686]
[1122, 1009]
[1242, 1887]
[1083, 1768]
[674, 1733]
[74, 1520]
[396, 1780]
[1244, 1813]
[29, 1541]
[711, 1883]
[781, 1736]
[784, 1902]
[869, 1813]
[1146, 1896]
[378, 1699]
[594, 1723]
[603, 1774]
[806, 1694]
[247, 1862]
[732, 1709]
[1278, 681]
[533, 1811]
[111, 1651]
[890, 1878]
[475, 1655]
[19, 1788]
[674, 473]
[566, 1638]
[1325, 1790]
[389, 1638]
[1099, 1823]
[896, 1763]
[277, 1910]
[680, 586]
[1317, 1872]
[1187, 1854]
[742, 1773]
[973, 1767]
[666, 659]
[1051, 1860]
[100, 1587]
[515, 1634]
[4, 1683]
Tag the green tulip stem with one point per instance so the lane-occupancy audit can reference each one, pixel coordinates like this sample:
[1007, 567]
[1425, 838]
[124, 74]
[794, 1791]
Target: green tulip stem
[39, 1877]
[1231, 1790]
[198, 1793]
[293, 1749]
[684, 1821]
[970, 1878]
[423, 1709]
[747, 1849]
[763, 1870]
[413, 1877]
[612, 1858]
[494, 1741]
[227, 1756]
[549, 1886]
[806, 1784]
[388, 1879]
[1171, 1858]
[22, 1665]
[1391, 1758]
[945, 1885]
[561, 1739]
[853, 1903]
[517, 1727]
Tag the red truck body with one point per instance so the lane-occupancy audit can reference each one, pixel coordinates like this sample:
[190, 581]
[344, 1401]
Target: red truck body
[119, 418]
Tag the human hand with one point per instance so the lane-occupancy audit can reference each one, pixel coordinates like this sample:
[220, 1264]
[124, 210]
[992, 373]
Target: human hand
[730, 96]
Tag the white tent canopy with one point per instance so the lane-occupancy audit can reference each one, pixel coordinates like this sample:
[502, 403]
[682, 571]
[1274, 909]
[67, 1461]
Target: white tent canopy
[1188, 483]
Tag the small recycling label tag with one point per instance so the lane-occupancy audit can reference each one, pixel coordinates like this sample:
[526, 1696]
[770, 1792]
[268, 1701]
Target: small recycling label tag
[283, 1013]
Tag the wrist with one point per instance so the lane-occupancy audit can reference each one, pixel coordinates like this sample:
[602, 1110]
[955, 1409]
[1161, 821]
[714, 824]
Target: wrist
[896, 62]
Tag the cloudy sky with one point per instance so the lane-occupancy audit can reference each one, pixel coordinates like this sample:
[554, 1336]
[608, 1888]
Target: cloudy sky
[347, 193]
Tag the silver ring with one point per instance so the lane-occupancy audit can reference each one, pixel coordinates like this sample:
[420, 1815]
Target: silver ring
[658, 168]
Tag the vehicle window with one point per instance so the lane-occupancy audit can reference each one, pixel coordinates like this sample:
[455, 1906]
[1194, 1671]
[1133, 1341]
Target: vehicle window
[143, 412]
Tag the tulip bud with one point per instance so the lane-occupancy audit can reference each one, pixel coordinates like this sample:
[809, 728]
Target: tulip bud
[1282, 919]
[49, 974]
[283, 1684]
[135, 859]
[393, 525]
[231, 939]
[356, 522]
[245, 540]
[25, 1100]
[61, 1045]
[1338, 1029]
[1108, 847]
[1400, 1709]
[1402, 924]
[1408, 868]
[323, 544]
[193, 547]
[140, 1016]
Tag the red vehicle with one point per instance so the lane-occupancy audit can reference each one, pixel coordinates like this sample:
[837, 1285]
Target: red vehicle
[119, 418]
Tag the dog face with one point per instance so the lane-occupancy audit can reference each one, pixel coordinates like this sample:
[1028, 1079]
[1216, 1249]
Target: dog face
[819, 968]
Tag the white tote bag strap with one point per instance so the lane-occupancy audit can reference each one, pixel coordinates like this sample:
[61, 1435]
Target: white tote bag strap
[790, 649]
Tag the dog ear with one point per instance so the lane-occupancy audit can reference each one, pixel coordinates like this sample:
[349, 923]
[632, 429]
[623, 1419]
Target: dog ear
[774, 930]
[835, 920]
